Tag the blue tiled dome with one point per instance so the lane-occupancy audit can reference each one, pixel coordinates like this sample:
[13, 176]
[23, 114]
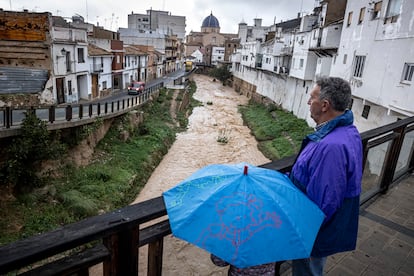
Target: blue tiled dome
[210, 22]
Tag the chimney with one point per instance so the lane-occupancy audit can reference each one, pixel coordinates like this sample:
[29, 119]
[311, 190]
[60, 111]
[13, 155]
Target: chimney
[257, 22]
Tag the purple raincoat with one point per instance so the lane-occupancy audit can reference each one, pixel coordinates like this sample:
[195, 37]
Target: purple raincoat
[329, 170]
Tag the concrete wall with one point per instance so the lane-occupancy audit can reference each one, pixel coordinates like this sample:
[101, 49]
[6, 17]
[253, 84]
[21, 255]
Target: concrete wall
[291, 94]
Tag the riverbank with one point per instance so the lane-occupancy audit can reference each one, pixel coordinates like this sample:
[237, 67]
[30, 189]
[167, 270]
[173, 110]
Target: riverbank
[120, 166]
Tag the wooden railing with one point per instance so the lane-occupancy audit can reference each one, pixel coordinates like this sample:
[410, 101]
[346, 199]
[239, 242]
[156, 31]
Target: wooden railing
[71, 115]
[114, 238]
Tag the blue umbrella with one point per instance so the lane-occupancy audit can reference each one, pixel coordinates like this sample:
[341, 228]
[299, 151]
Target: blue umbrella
[243, 214]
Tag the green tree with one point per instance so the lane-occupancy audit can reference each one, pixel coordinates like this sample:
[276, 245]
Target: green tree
[222, 73]
[26, 152]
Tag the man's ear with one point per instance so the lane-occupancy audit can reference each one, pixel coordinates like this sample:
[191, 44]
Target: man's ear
[325, 105]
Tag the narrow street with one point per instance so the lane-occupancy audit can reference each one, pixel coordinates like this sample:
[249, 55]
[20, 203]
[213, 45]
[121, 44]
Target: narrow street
[194, 149]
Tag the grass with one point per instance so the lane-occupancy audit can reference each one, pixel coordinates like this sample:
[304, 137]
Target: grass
[279, 133]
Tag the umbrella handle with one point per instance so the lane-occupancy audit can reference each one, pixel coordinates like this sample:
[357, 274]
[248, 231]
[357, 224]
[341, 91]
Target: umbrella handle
[245, 170]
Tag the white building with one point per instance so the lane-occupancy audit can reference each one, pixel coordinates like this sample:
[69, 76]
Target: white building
[217, 55]
[161, 22]
[376, 55]
[100, 62]
[70, 63]
[257, 32]
[135, 64]
[135, 37]
[368, 43]
[197, 55]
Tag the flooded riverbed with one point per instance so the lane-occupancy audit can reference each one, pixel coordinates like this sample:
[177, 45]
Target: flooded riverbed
[194, 149]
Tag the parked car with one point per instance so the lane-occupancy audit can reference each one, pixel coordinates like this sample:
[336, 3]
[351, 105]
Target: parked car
[136, 87]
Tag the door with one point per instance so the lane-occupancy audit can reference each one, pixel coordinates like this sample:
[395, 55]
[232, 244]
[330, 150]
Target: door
[60, 90]
[95, 91]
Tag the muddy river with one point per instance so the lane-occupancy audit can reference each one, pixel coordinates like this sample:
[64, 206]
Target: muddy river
[194, 149]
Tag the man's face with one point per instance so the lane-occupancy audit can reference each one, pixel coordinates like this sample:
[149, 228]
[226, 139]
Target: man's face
[316, 105]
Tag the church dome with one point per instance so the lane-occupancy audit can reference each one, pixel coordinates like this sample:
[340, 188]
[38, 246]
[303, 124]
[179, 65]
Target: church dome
[210, 22]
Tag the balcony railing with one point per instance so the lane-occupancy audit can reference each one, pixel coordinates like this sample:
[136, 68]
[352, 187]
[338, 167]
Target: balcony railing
[114, 238]
[97, 68]
[286, 51]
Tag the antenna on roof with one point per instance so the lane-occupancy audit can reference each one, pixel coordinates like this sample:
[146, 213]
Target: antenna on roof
[86, 2]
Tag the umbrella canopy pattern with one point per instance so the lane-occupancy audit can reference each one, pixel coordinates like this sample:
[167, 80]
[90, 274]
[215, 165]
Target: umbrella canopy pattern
[243, 214]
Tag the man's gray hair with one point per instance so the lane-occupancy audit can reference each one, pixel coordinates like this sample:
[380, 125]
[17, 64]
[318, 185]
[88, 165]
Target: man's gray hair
[337, 91]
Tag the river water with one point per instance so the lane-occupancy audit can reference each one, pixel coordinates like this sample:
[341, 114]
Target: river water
[194, 149]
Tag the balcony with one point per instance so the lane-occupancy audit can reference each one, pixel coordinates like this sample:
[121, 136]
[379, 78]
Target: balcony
[286, 51]
[96, 68]
[282, 70]
[384, 241]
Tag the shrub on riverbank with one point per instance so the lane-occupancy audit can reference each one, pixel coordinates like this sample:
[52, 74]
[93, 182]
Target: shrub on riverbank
[279, 133]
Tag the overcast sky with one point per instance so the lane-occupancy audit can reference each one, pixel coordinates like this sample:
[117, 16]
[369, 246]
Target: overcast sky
[113, 14]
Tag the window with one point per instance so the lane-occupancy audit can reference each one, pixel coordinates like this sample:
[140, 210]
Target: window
[361, 15]
[349, 19]
[81, 55]
[365, 112]
[69, 87]
[68, 62]
[376, 12]
[393, 11]
[408, 72]
[345, 57]
[301, 61]
[104, 85]
[315, 34]
[359, 62]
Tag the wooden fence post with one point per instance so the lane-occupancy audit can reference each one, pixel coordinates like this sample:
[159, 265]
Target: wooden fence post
[155, 250]
[123, 247]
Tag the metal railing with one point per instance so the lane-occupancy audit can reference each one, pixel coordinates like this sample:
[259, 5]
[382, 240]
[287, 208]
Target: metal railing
[115, 238]
[71, 115]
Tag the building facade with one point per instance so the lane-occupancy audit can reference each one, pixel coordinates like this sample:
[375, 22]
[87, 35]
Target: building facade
[376, 54]
[368, 43]
[209, 41]
[161, 22]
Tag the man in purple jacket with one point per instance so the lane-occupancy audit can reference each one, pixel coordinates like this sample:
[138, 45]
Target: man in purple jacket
[328, 170]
